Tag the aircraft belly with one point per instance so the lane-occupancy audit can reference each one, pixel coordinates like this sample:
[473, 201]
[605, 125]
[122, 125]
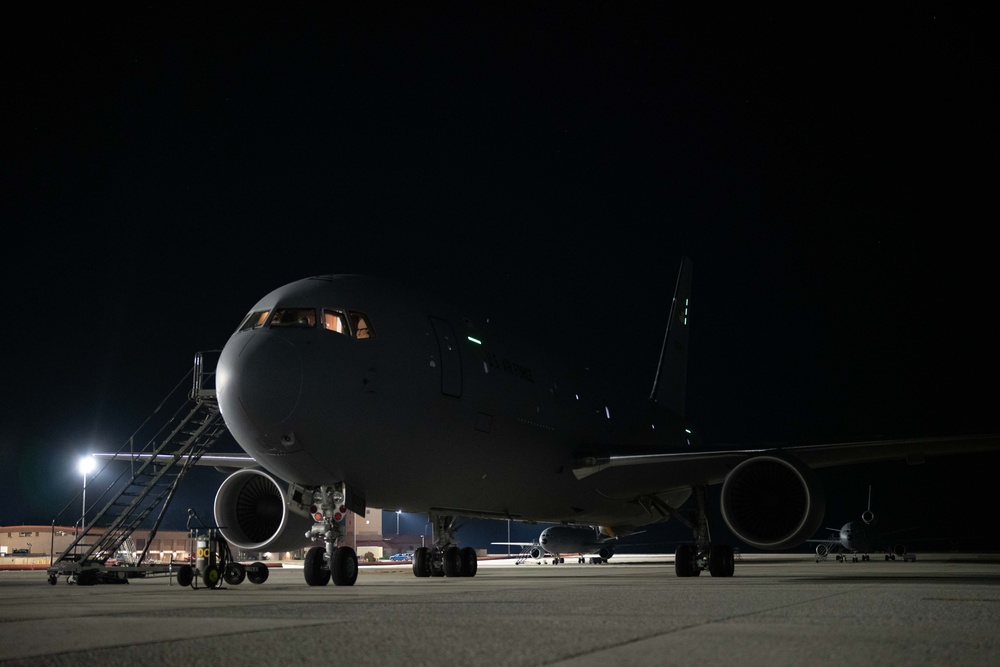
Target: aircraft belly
[476, 474]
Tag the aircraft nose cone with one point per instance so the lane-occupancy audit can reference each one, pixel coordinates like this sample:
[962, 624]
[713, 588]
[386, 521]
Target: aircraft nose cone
[261, 379]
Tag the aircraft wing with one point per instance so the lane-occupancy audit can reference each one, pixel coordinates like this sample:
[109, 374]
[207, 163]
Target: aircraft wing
[215, 460]
[712, 466]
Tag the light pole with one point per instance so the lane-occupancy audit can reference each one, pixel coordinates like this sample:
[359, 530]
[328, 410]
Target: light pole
[398, 512]
[86, 466]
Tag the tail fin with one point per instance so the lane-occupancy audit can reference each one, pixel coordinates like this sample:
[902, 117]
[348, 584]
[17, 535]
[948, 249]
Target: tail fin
[670, 383]
[868, 516]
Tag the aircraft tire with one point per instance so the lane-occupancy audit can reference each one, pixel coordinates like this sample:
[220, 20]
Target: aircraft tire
[315, 569]
[720, 561]
[470, 562]
[344, 568]
[185, 575]
[684, 563]
[452, 561]
[421, 562]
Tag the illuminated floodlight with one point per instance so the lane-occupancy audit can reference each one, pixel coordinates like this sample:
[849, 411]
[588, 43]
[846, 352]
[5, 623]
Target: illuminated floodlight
[87, 464]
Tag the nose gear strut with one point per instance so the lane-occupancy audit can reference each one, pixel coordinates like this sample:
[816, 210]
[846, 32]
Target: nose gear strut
[328, 511]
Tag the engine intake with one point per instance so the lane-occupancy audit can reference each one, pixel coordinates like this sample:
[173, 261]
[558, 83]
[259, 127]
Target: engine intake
[772, 501]
[251, 512]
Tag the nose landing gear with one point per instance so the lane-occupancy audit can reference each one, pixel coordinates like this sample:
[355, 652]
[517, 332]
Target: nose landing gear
[328, 510]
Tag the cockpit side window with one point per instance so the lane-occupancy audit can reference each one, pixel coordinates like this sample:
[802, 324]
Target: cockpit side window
[303, 318]
[361, 326]
[254, 320]
[334, 320]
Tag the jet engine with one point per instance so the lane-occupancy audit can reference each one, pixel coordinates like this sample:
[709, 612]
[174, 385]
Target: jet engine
[251, 512]
[772, 501]
[536, 553]
[822, 550]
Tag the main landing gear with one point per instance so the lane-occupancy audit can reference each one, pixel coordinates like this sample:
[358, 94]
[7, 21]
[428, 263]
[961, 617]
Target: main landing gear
[444, 559]
[691, 559]
[320, 566]
[718, 559]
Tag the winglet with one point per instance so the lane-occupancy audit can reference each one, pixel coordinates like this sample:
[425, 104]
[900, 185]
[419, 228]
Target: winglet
[670, 383]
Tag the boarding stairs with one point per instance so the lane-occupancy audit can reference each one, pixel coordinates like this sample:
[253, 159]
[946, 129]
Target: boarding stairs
[183, 428]
[525, 554]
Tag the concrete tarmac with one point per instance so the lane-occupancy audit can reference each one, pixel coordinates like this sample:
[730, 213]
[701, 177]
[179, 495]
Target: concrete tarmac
[941, 609]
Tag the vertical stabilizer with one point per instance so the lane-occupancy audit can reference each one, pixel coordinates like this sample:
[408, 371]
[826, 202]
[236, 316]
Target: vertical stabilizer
[670, 383]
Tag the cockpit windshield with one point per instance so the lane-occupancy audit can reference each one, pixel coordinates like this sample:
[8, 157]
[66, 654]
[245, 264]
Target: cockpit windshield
[254, 320]
[336, 320]
[303, 318]
[348, 323]
[362, 329]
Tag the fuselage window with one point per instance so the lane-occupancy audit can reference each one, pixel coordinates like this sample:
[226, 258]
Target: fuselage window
[254, 320]
[362, 327]
[334, 320]
[294, 317]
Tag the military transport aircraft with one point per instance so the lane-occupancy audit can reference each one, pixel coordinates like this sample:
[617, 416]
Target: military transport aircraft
[560, 541]
[347, 391]
[860, 538]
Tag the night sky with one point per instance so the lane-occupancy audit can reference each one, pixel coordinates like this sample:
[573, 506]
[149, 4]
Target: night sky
[548, 165]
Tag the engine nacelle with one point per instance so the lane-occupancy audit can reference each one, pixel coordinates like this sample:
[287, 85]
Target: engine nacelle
[772, 501]
[822, 550]
[536, 553]
[252, 514]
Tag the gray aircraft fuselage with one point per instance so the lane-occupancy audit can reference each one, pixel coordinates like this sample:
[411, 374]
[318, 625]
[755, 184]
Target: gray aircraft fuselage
[858, 536]
[433, 411]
